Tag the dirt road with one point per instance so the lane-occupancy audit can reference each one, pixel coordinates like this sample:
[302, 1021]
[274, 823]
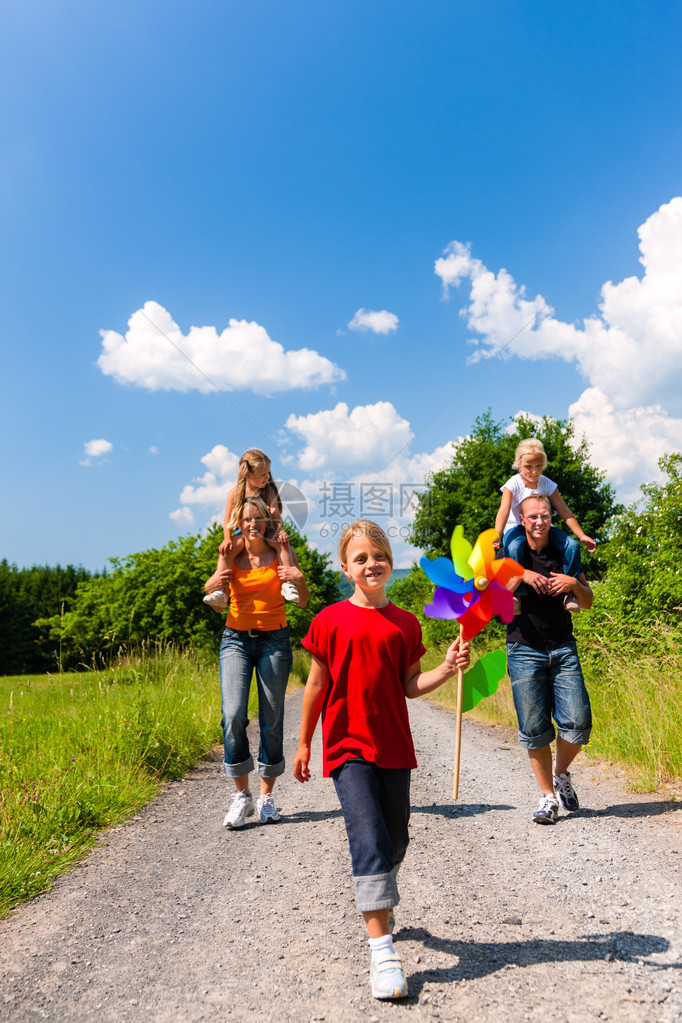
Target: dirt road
[176, 918]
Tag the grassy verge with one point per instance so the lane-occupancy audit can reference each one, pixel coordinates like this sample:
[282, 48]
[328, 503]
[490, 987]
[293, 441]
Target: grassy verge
[636, 694]
[80, 752]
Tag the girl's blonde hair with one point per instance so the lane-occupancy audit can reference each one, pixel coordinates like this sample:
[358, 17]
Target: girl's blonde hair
[363, 527]
[530, 446]
[252, 461]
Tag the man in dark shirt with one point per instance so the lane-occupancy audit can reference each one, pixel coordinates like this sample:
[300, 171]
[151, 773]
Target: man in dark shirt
[543, 664]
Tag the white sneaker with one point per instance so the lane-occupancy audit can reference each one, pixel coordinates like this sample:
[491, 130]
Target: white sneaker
[386, 977]
[217, 600]
[267, 811]
[290, 592]
[571, 604]
[242, 807]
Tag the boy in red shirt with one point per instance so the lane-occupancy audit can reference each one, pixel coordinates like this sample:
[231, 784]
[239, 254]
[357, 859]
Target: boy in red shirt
[366, 661]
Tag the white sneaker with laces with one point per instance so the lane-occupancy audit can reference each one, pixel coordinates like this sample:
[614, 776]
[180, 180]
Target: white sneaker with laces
[217, 600]
[564, 791]
[290, 592]
[242, 807]
[267, 811]
[547, 811]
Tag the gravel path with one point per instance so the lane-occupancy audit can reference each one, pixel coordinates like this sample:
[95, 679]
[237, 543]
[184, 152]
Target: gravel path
[175, 918]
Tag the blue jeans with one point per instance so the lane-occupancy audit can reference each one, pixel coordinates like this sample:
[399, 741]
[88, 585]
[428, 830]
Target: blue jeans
[546, 684]
[375, 802]
[514, 541]
[270, 654]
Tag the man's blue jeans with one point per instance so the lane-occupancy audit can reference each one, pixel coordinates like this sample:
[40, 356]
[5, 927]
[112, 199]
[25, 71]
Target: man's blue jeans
[269, 653]
[546, 684]
[375, 802]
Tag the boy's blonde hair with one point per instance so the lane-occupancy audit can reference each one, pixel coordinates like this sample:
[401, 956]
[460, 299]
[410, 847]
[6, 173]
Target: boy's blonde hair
[530, 446]
[363, 527]
[252, 461]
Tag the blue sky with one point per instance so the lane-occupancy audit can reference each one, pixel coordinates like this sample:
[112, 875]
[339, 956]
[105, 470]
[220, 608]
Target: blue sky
[362, 223]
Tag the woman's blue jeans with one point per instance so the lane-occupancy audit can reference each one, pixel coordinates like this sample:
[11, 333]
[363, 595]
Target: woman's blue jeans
[269, 653]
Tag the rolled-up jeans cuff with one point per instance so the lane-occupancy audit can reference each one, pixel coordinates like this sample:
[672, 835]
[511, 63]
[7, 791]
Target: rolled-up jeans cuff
[536, 741]
[271, 770]
[239, 770]
[576, 736]
[376, 891]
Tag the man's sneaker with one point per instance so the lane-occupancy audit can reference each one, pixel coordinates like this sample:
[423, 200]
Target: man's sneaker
[564, 791]
[242, 807]
[547, 811]
[386, 976]
[290, 592]
[517, 606]
[571, 604]
[217, 600]
[267, 811]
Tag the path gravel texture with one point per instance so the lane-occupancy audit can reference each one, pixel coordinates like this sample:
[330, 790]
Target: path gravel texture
[175, 918]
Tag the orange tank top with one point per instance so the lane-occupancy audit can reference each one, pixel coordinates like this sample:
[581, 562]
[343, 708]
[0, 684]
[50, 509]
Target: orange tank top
[256, 601]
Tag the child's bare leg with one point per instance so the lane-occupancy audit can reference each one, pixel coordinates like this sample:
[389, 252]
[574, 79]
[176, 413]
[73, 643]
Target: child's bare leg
[285, 560]
[386, 975]
[376, 921]
[217, 587]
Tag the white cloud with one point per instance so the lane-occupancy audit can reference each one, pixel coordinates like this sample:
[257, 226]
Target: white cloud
[378, 321]
[339, 438]
[209, 490]
[96, 449]
[153, 450]
[156, 354]
[630, 352]
[625, 443]
[632, 349]
[182, 516]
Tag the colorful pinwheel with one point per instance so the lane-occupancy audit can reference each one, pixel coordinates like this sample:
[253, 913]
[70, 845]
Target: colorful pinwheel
[471, 588]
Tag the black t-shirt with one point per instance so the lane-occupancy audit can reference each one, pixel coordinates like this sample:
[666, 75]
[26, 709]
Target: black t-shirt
[543, 623]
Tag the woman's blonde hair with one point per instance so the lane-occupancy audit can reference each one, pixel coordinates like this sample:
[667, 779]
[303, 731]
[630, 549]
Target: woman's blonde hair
[363, 527]
[252, 461]
[530, 446]
[261, 507]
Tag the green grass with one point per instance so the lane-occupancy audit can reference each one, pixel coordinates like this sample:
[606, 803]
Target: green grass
[80, 752]
[636, 694]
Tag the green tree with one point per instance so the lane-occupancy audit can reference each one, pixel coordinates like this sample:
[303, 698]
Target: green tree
[467, 491]
[644, 553]
[25, 593]
[155, 597]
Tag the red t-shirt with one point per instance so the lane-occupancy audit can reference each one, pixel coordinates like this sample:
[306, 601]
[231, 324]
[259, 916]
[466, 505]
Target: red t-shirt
[367, 651]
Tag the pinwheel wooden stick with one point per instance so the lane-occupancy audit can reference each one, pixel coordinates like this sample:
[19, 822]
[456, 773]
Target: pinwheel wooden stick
[458, 724]
[471, 589]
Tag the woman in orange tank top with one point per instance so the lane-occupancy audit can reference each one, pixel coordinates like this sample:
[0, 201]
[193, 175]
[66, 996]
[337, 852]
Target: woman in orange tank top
[255, 637]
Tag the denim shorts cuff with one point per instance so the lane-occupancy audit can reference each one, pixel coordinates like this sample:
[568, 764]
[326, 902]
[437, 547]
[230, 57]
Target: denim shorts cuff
[376, 891]
[239, 770]
[536, 741]
[271, 770]
[576, 736]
